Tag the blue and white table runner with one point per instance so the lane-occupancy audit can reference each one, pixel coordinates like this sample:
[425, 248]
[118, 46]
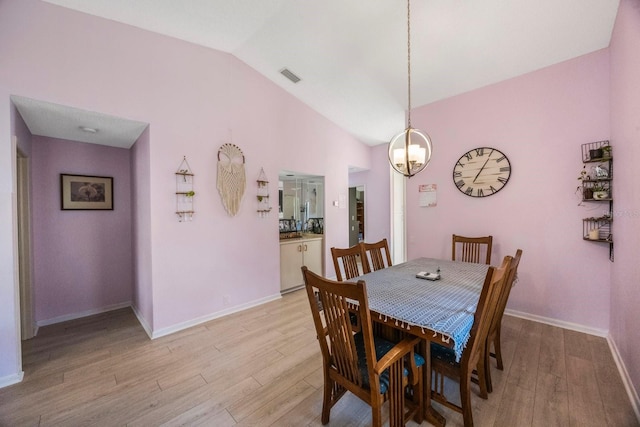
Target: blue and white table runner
[444, 306]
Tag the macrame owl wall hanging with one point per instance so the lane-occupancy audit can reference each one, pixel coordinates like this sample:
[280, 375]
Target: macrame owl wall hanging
[231, 177]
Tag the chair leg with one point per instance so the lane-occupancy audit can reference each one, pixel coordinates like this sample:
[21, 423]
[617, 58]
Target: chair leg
[395, 395]
[498, 351]
[326, 399]
[486, 359]
[418, 397]
[376, 415]
[465, 399]
[482, 375]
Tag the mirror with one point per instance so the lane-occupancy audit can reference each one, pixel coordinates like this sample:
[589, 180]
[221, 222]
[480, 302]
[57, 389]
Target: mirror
[301, 198]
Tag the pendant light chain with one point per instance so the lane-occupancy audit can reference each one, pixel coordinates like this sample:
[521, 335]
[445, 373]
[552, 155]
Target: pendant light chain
[409, 62]
[410, 150]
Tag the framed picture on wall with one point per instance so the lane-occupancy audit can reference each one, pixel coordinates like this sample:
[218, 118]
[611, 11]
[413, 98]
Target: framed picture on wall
[83, 192]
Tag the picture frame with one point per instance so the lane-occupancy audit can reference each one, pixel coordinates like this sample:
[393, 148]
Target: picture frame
[86, 192]
[285, 226]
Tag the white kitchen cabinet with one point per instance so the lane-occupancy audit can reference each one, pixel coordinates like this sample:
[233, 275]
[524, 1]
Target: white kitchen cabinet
[293, 255]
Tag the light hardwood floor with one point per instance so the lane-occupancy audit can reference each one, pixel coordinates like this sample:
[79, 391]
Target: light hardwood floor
[263, 367]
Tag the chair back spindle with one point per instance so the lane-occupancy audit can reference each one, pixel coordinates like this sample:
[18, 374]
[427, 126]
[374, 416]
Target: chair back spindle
[471, 249]
[346, 262]
[375, 256]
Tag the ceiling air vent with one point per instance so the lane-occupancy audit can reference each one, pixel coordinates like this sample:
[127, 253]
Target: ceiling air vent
[288, 74]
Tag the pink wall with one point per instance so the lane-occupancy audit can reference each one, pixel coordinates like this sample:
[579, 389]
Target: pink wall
[539, 121]
[217, 262]
[625, 136]
[82, 259]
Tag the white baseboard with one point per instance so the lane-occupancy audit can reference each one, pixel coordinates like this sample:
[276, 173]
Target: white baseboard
[295, 288]
[559, 323]
[142, 322]
[11, 379]
[180, 326]
[626, 379]
[81, 314]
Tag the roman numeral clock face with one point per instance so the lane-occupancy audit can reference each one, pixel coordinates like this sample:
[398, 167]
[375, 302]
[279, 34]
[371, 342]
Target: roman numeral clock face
[481, 172]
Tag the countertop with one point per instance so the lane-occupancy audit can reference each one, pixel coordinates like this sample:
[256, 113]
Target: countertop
[303, 237]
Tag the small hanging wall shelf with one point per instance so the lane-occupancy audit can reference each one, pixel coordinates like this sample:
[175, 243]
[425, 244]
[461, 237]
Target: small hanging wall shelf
[263, 195]
[184, 192]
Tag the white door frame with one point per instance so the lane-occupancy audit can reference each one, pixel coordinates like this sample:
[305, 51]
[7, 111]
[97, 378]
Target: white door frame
[24, 245]
[398, 217]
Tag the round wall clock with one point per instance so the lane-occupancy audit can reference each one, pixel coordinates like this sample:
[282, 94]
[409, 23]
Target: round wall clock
[481, 172]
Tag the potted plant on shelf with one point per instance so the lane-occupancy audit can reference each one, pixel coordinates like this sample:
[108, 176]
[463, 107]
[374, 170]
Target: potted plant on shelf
[587, 192]
[600, 192]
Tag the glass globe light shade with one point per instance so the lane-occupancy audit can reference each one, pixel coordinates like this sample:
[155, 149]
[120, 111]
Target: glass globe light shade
[410, 151]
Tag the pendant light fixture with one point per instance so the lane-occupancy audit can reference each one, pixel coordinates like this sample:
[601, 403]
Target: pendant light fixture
[410, 150]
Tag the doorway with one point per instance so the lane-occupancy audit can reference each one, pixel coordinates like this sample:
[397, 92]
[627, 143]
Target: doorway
[57, 124]
[356, 215]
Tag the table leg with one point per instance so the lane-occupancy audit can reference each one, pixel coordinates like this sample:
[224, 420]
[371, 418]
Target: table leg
[431, 415]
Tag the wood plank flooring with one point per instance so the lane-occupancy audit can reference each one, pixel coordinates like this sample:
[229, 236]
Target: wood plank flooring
[262, 367]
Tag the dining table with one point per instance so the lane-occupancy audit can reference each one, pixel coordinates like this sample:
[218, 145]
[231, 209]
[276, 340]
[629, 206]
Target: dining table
[440, 311]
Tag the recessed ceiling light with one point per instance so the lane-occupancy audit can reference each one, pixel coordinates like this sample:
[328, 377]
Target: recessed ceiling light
[88, 129]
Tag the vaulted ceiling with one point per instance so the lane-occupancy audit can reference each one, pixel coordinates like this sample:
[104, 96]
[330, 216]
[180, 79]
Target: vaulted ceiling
[351, 55]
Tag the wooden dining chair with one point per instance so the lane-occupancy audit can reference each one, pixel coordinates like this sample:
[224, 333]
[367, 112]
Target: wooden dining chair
[470, 249]
[372, 255]
[349, 259]
[493, 337]
[443, 360]
[373, 369]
